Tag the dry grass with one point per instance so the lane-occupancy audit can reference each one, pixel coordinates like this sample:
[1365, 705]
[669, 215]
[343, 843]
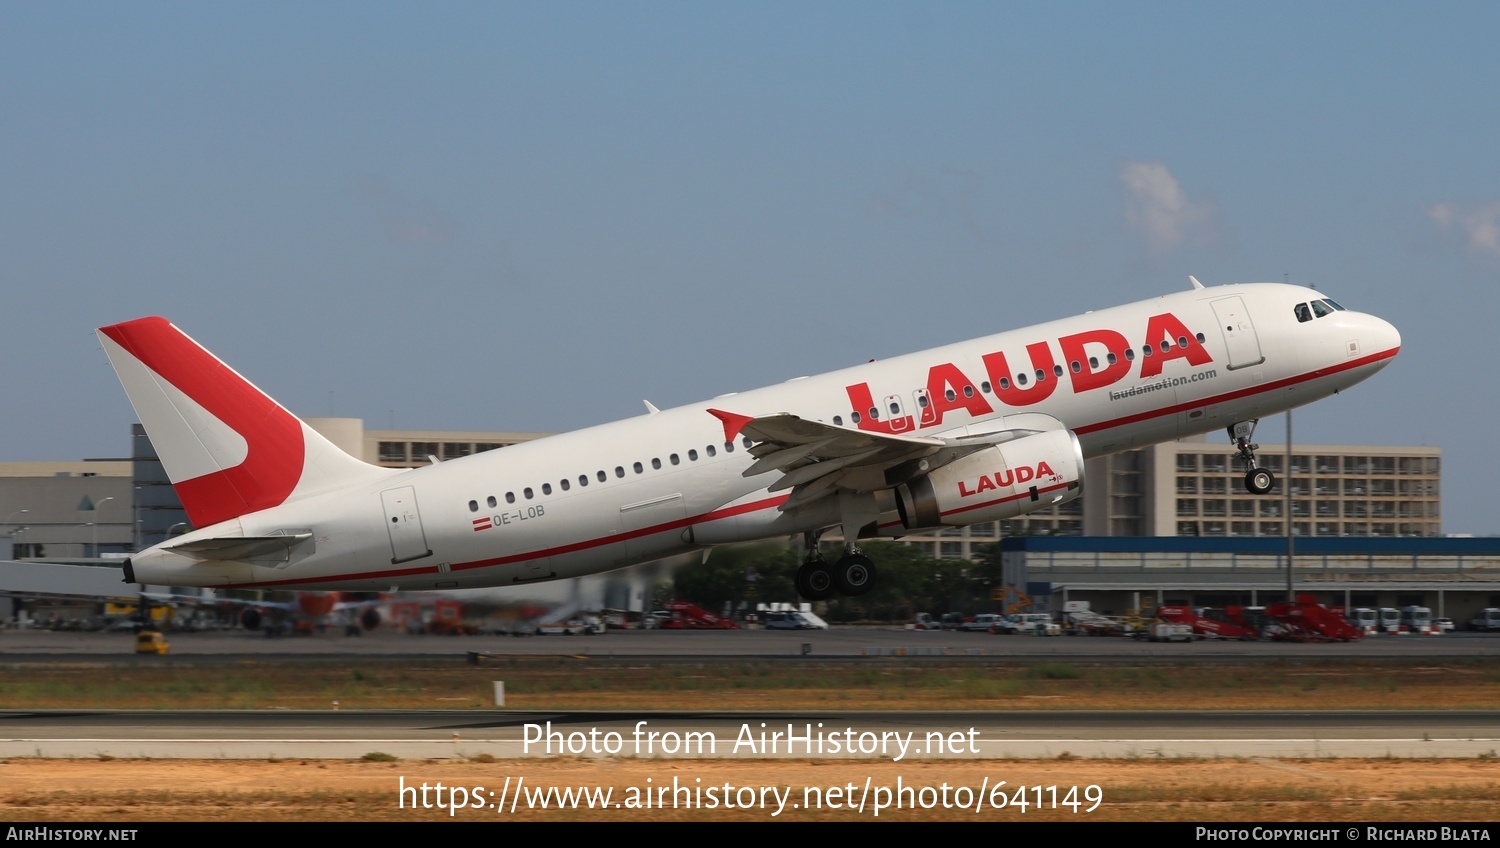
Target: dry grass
[1229, 790]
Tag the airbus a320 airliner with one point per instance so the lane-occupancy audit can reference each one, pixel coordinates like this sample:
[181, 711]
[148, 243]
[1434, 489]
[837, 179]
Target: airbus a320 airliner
[976, 431]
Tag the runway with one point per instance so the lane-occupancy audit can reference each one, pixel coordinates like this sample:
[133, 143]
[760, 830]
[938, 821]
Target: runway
[923, 735]
[282, 734]
[840, 643]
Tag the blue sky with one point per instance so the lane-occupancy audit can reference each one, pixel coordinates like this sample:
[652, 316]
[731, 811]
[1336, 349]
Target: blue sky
[531, 216]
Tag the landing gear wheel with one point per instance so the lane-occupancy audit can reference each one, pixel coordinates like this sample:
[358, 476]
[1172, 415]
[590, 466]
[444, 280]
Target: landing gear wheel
[1259, 481]
[854, 575]
[815, 580]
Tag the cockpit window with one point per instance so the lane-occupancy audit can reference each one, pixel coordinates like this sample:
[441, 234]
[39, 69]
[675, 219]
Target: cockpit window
[1303, 313]
[1334, 305]
[1320, 308]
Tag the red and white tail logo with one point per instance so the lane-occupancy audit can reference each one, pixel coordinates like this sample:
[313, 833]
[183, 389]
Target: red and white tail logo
[227, 447]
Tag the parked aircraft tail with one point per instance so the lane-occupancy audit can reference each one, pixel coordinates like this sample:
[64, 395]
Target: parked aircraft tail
[227, 447]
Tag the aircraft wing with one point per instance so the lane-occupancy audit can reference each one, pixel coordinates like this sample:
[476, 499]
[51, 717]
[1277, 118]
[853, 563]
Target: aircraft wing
[817, 459]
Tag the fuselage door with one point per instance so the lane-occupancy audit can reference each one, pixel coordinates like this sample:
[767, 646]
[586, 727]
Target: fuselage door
[404, 523]
[1239, 332]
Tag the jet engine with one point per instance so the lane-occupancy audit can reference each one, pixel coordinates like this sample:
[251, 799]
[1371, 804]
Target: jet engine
[1003, 481]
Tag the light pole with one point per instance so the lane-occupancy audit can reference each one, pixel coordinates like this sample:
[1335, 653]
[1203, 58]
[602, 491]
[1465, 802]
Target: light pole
[95, 522]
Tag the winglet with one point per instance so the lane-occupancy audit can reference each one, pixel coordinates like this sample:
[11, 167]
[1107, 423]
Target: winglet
[1194, 281]
[733, 422]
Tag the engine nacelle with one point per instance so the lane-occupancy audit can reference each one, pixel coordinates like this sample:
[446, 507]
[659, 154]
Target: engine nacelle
[1004, 481]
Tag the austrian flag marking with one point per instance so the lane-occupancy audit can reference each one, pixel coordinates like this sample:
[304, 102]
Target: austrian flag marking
[484, 523]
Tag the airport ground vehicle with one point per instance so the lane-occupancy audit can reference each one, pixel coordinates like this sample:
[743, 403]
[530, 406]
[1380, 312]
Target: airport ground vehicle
[1488, 620]
[1418, 619]
[985, 622]
[789, 621]
[689, 616]
[1202, 622]
[1028, 624]
[151, 642]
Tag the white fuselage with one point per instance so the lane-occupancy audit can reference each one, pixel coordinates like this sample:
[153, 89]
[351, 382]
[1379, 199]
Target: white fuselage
[668, 482]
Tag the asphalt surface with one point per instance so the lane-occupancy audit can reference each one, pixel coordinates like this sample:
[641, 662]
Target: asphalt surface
[852, 643]
[424, 734]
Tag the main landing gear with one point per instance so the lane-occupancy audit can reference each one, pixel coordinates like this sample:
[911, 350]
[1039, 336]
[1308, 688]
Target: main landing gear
[852, 575]
[1258, 481]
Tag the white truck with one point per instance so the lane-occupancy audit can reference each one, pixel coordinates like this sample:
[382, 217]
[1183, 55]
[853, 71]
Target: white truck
[1418, 620]
[1487, 620]
[1029, 624]
[1364, 619]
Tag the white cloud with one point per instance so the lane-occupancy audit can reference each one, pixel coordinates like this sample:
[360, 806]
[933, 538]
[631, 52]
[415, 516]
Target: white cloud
[1479, 224]
[1160, 210]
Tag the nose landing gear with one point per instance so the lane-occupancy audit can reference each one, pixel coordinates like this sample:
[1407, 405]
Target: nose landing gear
[1258, 481]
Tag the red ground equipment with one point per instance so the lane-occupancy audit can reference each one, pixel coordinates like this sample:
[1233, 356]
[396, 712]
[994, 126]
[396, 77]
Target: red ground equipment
[690, 616]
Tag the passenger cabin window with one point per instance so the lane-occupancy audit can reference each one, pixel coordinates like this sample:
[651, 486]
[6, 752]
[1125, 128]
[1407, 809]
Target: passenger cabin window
[492, 502]
[526, 492]
[473, 506]
[510, 497]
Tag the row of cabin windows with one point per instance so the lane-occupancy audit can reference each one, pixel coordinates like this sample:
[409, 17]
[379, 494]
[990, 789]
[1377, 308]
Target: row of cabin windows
[1022, 378]
[602, 476]
[854, 417]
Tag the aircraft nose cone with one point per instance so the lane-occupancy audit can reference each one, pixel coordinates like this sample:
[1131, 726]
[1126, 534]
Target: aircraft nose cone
[1384, 335]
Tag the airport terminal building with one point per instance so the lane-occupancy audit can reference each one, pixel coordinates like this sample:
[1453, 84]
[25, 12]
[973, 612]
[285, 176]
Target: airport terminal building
[1454, 577]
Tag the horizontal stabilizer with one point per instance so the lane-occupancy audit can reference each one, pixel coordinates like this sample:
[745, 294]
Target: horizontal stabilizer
[242, 547]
